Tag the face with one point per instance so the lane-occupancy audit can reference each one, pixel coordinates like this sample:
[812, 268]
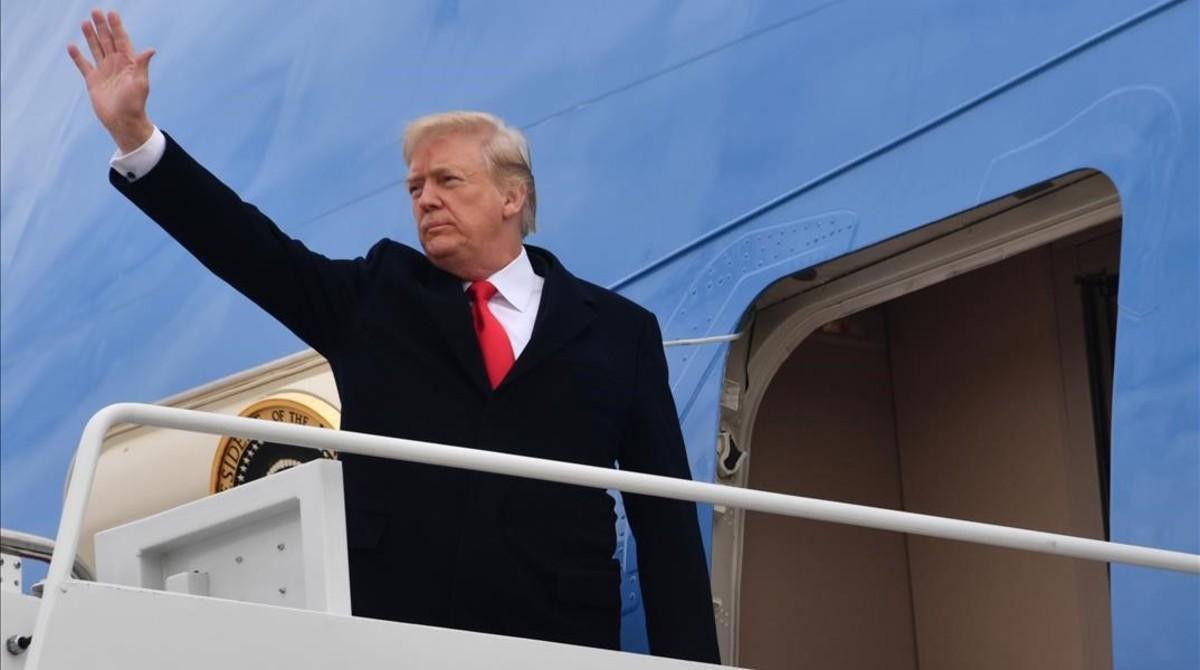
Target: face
[468, 225]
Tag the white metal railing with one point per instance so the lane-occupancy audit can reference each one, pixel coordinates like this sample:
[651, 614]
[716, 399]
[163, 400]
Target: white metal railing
[28, 545]
[88, 454]
[693, 341]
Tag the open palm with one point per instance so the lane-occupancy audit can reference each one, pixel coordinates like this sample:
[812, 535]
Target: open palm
[119, 82]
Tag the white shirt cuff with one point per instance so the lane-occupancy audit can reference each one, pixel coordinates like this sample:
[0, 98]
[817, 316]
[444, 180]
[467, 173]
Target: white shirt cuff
[135, 164]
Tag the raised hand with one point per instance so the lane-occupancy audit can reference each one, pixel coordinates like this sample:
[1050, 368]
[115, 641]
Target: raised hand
[119, 82]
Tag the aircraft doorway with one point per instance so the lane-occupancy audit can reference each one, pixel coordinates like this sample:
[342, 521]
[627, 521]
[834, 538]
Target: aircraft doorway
[983, 394]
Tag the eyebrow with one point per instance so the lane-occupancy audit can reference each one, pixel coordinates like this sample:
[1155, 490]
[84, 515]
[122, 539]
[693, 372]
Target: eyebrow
[433, 172]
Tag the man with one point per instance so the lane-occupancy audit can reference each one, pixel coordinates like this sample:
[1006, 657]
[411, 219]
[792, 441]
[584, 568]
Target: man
[482, 342]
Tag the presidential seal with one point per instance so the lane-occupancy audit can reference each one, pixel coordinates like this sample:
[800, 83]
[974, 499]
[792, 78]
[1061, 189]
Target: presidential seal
[240, 460]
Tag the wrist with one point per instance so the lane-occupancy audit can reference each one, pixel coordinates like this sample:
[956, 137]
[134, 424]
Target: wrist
[131, 134]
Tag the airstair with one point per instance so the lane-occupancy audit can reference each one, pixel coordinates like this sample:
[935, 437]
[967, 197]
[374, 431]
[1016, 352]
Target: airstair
[257, 577]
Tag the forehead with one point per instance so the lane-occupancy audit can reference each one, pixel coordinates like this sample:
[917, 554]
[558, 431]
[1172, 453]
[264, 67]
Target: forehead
[449, 149]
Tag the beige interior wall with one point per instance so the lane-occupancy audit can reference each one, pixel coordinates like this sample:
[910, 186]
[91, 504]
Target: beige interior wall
[817, 594]
[968, 399]
[984, 434]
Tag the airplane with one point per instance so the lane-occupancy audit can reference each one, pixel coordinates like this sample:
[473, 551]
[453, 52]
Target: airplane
[934, 257]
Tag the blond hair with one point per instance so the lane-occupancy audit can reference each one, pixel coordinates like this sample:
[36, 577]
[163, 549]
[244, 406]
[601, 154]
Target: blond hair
[505, 151]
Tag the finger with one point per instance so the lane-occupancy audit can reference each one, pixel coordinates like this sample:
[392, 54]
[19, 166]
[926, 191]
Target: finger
[85, 68]
[106, 38]
[89, 34]
[120, 38]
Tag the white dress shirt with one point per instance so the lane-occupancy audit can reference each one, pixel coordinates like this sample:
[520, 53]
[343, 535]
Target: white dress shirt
[141, 160]
[517, 299]
[518, 288]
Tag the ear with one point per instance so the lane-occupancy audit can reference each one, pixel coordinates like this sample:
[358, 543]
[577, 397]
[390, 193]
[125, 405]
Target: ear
[514, 199]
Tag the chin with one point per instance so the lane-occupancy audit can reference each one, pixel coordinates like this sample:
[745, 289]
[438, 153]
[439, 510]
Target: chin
[439, 247]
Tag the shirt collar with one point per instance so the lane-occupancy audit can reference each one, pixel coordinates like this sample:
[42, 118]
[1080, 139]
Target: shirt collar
[514, 282]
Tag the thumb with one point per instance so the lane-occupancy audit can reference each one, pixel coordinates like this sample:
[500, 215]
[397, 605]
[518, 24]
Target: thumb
[143, 59]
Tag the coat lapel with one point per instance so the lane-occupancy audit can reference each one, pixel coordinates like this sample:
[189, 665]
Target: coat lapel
[451, 313]
[565, 311]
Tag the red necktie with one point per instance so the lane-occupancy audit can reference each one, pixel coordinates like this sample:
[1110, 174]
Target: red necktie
[493, 341]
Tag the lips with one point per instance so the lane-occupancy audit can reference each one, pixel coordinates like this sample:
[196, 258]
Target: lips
[435, 227]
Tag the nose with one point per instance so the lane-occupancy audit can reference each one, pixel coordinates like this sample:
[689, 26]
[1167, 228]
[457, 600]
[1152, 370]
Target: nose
[428, 199]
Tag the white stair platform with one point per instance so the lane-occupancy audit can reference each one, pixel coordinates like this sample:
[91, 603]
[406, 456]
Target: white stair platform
[280, 540]
[102, 626]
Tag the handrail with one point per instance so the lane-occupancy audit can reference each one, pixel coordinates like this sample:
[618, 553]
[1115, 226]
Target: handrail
[584, 475]
[90, 442]
[710, 339]
[28, 545]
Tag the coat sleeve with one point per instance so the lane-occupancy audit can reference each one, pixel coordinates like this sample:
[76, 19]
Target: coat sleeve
[674, 574]
[313, 296]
